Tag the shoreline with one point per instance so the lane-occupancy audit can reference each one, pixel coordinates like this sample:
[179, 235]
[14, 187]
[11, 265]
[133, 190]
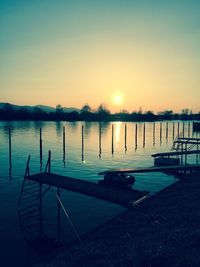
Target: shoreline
[161, 231]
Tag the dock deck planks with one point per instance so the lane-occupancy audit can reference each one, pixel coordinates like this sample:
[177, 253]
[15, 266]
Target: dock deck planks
[191, 167]
[191, 142]
[116, 195]
[176, 153]
[189, 138]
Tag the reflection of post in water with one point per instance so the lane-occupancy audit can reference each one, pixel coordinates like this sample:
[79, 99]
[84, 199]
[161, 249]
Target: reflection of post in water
[40, 146]
[173, 130]
[188, 129]
[160, 132]
[58, 217]
[178, 129]
[99, 139]
[144, 135]
[82, 154]
[64, 145]
[40, 210]
[154, 133]
[136, 136]
[10, 149]
[112, 139]
[183, 129]
[10, 172]
[166, 131]
[125, 137]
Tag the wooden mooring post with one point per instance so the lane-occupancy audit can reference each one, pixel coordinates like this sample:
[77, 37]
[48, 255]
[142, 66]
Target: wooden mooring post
[48, 164]
[188, 129]
[154, 133]
[125, 137]
[82, 135]
[166, 131]
[173, 130]
[178, 130]
[10, 148]
[160, 132]
[144, 135]
[136, 131]
[40, 145]
[183, 129]
[63, 143]
[112, 139]
[99, 139]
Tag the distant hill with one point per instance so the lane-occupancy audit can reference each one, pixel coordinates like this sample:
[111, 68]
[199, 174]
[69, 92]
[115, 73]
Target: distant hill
[46, 109]
[71, 109]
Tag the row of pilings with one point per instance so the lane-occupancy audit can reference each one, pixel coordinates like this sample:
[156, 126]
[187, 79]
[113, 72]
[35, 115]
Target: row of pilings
[182, 130]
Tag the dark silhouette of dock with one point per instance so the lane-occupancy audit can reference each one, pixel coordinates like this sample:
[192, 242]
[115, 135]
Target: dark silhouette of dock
[176, 153]
[122, 196]
[182, 168]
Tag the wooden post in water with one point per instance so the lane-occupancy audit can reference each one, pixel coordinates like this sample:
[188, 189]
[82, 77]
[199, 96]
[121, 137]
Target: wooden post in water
[189, 129]
[160, 132]
[10, 148]
[112, 139]
[125, 137]
[166, 130]
[183, 129]
[82, 143]
[173, 131]
[135, 136]
[40, 145]
[154, 133]
[49, 167]
[99, 139]
[144, 135]
[63, 143]
[178, 129]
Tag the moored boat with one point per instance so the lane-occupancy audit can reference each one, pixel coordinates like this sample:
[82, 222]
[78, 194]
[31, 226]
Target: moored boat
[118, 179]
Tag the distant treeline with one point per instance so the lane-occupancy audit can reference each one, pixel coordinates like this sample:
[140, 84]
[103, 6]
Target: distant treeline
[87, 114]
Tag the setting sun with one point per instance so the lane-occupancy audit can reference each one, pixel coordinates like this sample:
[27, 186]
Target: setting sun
[118, 99]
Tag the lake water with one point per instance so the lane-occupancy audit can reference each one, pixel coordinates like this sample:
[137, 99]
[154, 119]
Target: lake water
[83, 162]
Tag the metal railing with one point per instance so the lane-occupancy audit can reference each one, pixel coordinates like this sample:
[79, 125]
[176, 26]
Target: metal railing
[48, 165]
[66, 214]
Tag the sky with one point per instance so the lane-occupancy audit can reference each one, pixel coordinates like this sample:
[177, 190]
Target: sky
[127, 54]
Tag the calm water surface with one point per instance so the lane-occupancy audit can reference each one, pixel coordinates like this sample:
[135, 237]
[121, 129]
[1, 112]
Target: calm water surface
[127, 151]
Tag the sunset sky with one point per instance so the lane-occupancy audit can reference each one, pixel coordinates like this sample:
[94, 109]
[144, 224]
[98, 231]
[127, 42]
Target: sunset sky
[124, 53]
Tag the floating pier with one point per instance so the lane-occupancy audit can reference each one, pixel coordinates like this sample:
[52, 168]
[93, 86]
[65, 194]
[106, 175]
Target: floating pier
[190, 142]
[175, 153]
[184, 168]
[113, 194]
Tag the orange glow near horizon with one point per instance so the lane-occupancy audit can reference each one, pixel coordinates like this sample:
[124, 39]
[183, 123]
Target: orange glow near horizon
[70, 57]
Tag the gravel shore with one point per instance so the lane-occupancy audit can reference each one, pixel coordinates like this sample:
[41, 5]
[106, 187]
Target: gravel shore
[164, 230]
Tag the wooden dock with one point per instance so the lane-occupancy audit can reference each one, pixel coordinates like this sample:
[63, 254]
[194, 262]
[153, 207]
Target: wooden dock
[189, 138]
[191, 142]
[122, 196]
[176, 153]
[175, 168]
